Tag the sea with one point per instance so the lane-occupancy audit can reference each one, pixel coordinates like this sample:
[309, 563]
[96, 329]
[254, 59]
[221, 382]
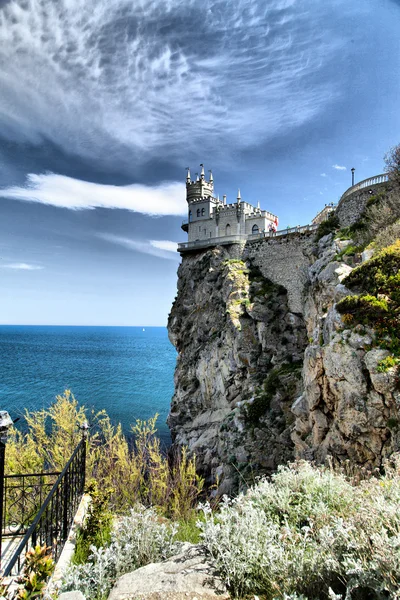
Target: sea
[128, 371]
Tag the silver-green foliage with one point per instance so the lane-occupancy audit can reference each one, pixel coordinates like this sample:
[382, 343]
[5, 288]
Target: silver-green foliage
[138, 539]
[310, 533]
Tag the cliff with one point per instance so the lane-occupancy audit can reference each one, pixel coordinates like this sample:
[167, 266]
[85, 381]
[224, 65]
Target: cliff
[267, 368]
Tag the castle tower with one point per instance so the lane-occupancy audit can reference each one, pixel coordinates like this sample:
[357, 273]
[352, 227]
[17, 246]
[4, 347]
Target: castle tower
[202, 215]
[199, 188]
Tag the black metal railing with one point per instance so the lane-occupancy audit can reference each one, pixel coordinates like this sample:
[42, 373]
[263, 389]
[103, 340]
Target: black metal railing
[23, 496]
[53, 521]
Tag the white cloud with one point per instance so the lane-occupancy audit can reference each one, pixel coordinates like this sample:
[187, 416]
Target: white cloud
[160, 248]
[116, 80]
[165, 245]
[339, 168]
[323, 175]
[22, 267]
[66, 192]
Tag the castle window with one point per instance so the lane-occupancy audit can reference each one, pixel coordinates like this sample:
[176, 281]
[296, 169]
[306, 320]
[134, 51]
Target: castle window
[202, 212]
[255, 229]
[190, 215]
[227, 229]
[198, 212]
[205, 231]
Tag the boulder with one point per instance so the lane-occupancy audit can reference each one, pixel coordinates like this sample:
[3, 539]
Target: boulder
[187, 576]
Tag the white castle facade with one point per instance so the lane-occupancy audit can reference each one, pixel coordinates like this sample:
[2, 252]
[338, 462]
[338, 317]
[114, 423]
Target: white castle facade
[210, 218]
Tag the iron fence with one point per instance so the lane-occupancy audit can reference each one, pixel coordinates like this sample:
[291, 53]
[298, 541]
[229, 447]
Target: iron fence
[54, 518]
[23, 496]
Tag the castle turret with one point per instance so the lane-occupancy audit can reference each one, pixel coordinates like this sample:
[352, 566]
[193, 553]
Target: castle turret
[199, 188]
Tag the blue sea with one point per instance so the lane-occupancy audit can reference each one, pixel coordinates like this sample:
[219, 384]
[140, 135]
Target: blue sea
[126, 370]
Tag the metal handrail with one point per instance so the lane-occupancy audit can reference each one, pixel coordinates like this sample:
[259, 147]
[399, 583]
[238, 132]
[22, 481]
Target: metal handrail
[61, 514]
[377, 179]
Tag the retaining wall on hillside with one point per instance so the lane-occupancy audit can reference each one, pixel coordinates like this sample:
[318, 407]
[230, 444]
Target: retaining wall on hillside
[351, 207]
[284, 261]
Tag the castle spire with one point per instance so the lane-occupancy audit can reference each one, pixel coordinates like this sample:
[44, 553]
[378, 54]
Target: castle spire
[188, 175]
[211, 176]
[202, 173]
[239, 197]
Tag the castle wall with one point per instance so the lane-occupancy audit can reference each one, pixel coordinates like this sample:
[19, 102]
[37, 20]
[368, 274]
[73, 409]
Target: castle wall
[261, 222]
[202, 229]
[228, 216]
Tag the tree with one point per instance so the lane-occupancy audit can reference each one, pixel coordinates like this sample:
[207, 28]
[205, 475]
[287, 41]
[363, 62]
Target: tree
[392, 163]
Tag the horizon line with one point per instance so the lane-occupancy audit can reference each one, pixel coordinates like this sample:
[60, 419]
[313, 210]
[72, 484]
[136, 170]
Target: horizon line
[69, 325]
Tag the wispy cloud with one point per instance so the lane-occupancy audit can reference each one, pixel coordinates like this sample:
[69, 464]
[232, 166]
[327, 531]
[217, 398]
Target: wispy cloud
[22, 267]
[323, 175]
[66, 192]
[116, 80]
[165, 245]
[339, 168]
[160, 248]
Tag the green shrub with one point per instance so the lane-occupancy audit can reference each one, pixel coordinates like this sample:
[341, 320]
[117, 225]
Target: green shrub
[96, 530]
[330, 225]
[386, 237]
[137, 473]
[381, 212]
[380, 274]
[138, 539]
[387, 363]
[278, 379]
[378, 303]
[38, 567]
[366, 308]
[350, 250]
[309, 532]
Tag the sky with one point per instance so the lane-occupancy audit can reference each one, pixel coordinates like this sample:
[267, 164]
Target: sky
[104, 103]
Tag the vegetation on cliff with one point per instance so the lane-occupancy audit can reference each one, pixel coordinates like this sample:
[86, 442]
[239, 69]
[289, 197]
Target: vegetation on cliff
[378, 302]
[310, 533]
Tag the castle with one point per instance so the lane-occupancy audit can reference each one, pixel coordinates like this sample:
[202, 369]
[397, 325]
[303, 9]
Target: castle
[210, 218]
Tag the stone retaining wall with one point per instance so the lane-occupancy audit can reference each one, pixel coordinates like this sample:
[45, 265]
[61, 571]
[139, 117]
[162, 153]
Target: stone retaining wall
[350, 208]
[284, 261]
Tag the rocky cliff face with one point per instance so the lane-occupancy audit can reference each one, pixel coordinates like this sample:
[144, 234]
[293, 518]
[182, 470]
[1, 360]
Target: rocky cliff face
[257, 384]
[239, 366]
[349, 409]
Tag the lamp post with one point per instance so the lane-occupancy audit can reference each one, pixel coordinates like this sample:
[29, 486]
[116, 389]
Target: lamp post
[5, 423]
[352, 176]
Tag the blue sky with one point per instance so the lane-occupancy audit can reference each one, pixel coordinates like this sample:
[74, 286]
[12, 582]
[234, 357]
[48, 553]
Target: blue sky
[103, 103]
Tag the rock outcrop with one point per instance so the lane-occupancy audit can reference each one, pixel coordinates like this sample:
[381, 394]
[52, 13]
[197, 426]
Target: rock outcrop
[240, 351]
[349, 410]
[267, 371]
